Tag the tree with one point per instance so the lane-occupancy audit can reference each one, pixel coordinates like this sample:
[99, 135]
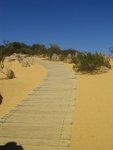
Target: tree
[69, 51]
[54, 48]
[38, 49]
[16, 47]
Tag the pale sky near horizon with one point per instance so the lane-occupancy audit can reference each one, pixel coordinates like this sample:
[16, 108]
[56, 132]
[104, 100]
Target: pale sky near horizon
[79, 24]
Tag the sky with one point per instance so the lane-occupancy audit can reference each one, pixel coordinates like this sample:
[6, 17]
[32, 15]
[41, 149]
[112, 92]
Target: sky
[85, 25]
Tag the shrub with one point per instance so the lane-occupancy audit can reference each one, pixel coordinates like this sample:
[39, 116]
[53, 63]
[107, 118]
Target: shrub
[90, 62]
[62, 57]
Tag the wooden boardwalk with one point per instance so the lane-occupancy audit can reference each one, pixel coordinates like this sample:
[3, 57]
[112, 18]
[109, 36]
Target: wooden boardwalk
[43, 120]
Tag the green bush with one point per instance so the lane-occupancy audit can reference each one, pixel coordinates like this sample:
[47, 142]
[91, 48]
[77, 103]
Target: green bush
[62, 57]
[90, 62]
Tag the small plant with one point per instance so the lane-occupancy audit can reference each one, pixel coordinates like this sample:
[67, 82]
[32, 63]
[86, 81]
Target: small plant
[90, 62]
[62, 57]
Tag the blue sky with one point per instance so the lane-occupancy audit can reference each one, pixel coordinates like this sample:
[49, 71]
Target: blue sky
[79, 24]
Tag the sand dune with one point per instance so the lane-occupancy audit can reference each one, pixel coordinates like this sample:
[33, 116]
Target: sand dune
[93, 117]
[14, 90]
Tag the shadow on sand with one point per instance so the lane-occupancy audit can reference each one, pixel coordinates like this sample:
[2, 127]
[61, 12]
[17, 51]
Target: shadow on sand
[11, 146]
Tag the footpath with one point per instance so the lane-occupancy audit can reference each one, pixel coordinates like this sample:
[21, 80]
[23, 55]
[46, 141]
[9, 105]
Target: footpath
[43, 120]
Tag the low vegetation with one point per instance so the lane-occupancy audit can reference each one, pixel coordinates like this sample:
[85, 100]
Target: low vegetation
[84, 61]
[88, 62]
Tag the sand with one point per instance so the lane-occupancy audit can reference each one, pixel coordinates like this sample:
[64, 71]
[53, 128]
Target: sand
[93, 116]
[15, 90]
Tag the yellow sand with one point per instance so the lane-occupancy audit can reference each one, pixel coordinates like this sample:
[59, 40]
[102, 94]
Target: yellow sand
[93, 116]
[14, 90]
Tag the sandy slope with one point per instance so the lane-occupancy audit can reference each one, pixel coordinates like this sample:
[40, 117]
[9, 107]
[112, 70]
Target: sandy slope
[93, 117]
[14, 90]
